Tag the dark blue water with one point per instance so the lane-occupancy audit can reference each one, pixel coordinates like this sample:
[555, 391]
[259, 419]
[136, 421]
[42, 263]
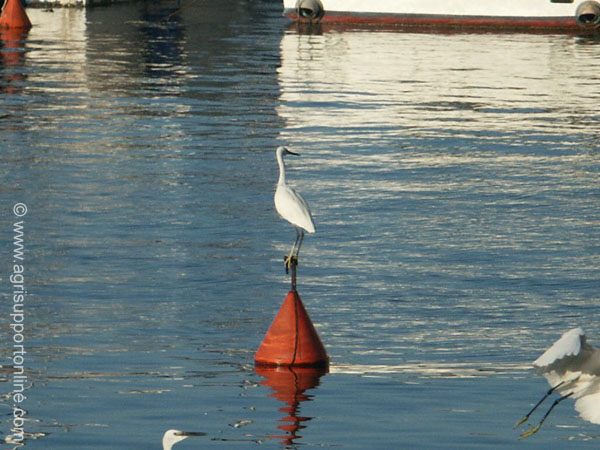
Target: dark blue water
[453, 179]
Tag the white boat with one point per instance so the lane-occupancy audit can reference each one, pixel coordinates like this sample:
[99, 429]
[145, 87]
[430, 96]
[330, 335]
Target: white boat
[524, 14]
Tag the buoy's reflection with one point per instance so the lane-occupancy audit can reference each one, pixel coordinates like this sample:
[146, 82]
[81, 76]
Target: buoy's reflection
[289, 385]
[12, 55]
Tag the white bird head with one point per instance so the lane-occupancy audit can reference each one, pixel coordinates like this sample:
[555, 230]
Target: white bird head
[172, 437]
[281, 151]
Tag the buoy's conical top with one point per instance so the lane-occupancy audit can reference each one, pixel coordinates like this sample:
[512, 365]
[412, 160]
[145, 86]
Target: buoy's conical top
[292, 339]
[14, 16]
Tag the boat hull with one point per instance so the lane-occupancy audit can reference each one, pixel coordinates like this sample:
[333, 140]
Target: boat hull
[522, 14]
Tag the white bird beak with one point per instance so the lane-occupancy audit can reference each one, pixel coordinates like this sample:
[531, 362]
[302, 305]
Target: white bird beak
[189, 433]
[292, 153]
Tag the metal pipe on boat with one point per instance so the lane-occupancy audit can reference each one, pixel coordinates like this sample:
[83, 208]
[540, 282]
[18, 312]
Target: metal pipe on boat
[310, 10]
[588, 14]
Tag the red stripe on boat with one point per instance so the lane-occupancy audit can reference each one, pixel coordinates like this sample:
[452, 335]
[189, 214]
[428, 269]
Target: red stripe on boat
[547, 23]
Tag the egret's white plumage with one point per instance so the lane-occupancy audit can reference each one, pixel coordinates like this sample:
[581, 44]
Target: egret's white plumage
[291, 206]
[572, 368]
[172, 437]
[569, 344]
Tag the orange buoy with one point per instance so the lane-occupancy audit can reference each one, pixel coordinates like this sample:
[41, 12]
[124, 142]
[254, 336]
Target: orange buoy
[14, 16]
[292, 339]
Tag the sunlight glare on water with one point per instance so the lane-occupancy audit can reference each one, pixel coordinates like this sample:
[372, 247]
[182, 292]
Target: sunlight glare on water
[470, 175]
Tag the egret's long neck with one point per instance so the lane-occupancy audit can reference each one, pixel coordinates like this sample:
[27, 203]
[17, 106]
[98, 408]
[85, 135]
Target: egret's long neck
[281, 169]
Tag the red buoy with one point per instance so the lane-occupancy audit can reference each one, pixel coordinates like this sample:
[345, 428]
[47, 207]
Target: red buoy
[14, 16]
[292, 339]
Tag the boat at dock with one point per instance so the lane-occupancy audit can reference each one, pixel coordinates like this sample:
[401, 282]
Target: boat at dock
[514, 14]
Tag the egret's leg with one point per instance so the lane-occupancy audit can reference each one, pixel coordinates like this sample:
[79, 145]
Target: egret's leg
[295, 244]
[535, 429]
[299, 244]
[550, 391]
[288, 258]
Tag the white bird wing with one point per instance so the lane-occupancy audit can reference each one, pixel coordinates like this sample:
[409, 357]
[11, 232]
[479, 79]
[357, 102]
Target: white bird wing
[569, 344]
[588, 407]
[291, 206]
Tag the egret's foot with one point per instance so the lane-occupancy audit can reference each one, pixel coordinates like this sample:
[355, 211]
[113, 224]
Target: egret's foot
[531, 431]
[523, 420]
[288, 260]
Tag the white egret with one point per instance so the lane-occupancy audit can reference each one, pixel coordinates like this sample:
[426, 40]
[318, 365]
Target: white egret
[572, 368]
[292, 207]
[172, 437]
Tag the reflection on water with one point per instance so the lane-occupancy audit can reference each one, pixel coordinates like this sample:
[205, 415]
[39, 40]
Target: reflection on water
[456, 174]
[398, 84]
[11, 59]
[453, 180]
[289, 385]
[435, 370]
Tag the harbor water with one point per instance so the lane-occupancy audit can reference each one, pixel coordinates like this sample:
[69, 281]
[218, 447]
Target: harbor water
[454, 179]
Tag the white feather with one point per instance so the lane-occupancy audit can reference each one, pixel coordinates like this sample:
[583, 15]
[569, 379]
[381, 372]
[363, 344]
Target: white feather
[588, 406]
[568, 345]
[289, 204]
